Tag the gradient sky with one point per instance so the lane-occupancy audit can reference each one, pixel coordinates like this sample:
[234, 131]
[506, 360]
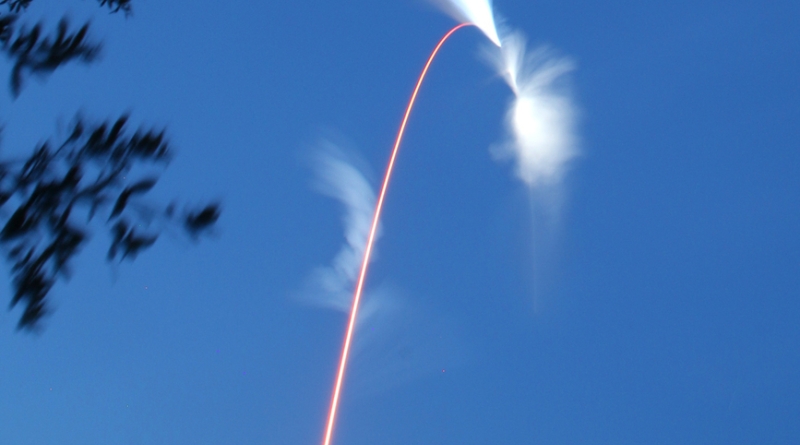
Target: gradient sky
[663, 307]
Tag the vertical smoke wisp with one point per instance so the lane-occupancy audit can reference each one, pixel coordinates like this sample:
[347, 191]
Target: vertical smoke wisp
[338, 177]
[477, 12]
[541, 118]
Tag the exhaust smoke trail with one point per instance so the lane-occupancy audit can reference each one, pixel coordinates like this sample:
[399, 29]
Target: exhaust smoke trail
[476, 12]
[541, 119]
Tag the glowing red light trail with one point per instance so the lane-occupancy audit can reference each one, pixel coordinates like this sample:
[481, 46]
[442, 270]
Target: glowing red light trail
[368, 249]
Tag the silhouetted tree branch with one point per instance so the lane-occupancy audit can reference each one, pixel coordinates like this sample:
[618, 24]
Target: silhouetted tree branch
[34, 54]
[115, 5]
[16, 5]
[89, 172]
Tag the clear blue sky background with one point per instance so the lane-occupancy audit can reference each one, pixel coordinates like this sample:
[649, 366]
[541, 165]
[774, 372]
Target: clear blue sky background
[664, 308]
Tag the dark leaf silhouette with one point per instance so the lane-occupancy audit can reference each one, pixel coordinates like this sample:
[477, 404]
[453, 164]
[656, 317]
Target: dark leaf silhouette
[16, 5]
[197, 222]
[118, 5]
[127, 240]
[41, 56]
[138, 188]
[133, 243]
[7, 28]
[118, 232]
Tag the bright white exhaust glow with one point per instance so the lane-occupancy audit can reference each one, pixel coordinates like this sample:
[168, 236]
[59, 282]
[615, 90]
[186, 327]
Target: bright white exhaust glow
[541, 119]
[477, 12]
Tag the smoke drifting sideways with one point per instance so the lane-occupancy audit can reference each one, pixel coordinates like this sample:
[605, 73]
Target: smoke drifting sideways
[477, 12]
[399, 338]
[540, 120]
[338, 177]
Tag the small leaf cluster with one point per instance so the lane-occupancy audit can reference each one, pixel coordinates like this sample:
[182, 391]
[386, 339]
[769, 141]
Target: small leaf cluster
[125, 6]
[33, 53]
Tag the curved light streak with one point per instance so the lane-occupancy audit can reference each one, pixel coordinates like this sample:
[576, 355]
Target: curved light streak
[373, 229]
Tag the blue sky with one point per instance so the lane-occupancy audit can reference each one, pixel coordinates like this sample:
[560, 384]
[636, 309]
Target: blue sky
[662, 307]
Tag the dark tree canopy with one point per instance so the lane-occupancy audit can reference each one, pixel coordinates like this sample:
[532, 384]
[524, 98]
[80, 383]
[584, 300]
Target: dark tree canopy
[89, 176]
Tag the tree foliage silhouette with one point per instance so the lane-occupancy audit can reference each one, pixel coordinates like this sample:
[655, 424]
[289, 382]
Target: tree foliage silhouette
[88, 173]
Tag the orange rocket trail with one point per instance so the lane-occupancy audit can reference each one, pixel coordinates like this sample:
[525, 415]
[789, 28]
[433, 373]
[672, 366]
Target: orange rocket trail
[368, 250]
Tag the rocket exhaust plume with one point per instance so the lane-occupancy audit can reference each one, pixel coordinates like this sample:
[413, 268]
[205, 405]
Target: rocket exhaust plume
[541, 118]
[371, 239]
[476, 12]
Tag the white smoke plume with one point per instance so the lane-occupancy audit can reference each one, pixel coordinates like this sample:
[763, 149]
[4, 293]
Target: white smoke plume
[541, 118]
[477, 12]
[396, 340]
[338, 177]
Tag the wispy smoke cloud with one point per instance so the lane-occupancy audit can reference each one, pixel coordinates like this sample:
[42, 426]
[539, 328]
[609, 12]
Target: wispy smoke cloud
[402, 339]
[541, 118]
[396, 341]
[338, 177]
[477, 12]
